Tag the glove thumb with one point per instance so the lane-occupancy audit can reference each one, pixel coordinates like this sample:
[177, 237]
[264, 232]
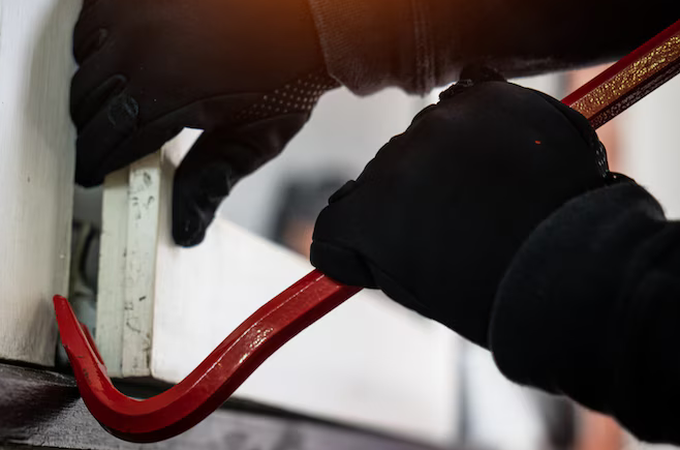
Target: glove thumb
[216, 162]
[203, 179]
[335, 252]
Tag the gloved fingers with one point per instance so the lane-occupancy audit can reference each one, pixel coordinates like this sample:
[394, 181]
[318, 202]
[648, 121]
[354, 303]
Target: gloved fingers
[341, 264]
[471, 75]
[203, 179]
[333, 248]
[577, 120]
[583, 127]
[90, 31]
[339, 261]
[90, 4]
[87, 46]
[479, 73]
[114, 139]
[216, 162]
[91, 75]
[86, 109]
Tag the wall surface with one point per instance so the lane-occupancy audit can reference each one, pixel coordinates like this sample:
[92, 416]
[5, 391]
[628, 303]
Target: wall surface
[36, 169]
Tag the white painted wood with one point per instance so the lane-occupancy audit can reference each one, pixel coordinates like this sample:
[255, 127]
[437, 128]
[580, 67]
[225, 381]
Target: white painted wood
[370, 362]
[110, 289]
[36, 169]
[141, 264]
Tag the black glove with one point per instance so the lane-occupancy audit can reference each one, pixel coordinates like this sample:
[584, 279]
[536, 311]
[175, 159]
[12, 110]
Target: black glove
[435, 219]
[247, 72]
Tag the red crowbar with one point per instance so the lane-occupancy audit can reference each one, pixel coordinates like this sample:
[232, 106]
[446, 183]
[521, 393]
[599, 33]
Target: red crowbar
[217, 377]
[213, 381]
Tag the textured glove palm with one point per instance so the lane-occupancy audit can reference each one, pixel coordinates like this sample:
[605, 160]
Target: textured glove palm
[435, 219]
[246, 72]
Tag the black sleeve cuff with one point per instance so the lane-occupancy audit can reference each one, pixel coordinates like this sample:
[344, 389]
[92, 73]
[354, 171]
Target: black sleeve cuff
[564, 318]
[369, 45]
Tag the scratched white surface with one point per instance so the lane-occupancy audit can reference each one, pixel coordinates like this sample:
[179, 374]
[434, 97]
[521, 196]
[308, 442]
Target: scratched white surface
[36, 169]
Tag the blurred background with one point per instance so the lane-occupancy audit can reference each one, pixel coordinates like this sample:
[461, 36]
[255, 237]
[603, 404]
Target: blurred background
[281, 201]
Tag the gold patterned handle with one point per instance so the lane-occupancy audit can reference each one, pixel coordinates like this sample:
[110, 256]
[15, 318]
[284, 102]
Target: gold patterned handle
[629, 80]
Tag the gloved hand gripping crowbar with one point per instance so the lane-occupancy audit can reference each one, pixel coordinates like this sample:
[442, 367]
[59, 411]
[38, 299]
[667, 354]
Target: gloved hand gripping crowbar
[222, 372]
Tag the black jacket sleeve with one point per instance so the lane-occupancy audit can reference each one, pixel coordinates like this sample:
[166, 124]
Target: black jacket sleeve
[420, 44]
[590, 308]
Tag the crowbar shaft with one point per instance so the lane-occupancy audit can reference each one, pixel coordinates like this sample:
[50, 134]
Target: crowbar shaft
[222, 372]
